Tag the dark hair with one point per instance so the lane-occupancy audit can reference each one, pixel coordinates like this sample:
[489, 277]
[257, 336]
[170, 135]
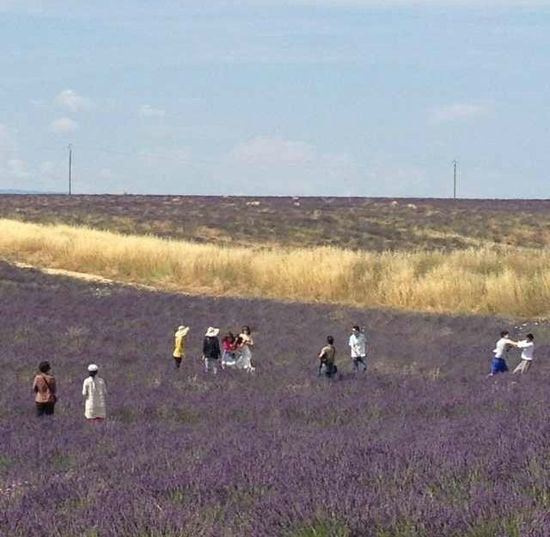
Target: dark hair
[229, 337]
[356, 327]
[92, 373]
[44, 367]
[530, 337]
[330, 340]
[246, 329]
[504, 333]
[239, 340]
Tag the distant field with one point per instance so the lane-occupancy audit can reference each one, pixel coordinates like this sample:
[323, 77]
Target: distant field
[490, 280]
[353, 223]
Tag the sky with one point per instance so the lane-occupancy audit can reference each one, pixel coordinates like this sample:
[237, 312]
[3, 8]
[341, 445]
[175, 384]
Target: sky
[266, 97]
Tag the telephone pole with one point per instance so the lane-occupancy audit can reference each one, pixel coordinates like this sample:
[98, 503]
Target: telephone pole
[70, 148]
[454, 178]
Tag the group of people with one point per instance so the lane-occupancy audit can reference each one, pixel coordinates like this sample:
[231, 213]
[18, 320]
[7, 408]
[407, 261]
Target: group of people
[235, 352]
[94, 392]
[503, 345]
[358, 350]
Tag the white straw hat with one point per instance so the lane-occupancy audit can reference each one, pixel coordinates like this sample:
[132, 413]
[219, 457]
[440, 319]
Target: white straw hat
[92, 368]
[212, 332]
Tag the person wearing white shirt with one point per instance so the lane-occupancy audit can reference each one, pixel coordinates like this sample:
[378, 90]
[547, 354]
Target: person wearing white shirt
[498, 364]
[94, 392]
[358, 347]
[527, 347]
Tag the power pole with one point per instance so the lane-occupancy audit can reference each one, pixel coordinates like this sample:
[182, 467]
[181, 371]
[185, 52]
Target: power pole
[70, 148]
[454, 178]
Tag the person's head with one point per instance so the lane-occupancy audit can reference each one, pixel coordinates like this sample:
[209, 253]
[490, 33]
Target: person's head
[44, 367]
[504, 333]
[92, 370]
[530, 337]
[330, 340]
[355, 329]
[246, 330]
[229, 337]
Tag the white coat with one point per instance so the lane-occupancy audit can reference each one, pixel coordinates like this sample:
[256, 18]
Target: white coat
[94, 391]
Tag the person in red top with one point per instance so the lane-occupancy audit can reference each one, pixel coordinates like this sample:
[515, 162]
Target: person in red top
[45, 390]
[229, 348]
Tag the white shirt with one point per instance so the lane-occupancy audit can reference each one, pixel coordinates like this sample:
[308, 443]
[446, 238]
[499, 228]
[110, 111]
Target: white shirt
[528, 349]
[94, 392]
[500, 348]
[358, 345]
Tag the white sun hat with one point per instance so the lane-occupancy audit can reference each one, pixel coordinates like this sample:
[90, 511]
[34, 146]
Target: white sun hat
[212, 332]
[92, 368]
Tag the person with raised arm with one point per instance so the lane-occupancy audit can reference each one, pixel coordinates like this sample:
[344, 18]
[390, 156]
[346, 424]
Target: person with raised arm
[180, 340]
[527, 347]
[498, 363]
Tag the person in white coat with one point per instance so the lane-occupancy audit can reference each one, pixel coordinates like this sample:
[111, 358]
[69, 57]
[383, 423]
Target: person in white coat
[94, 391]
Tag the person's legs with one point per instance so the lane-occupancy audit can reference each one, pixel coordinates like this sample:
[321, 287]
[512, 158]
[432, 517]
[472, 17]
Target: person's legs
[49, 409]
[527, 366]
[363, 361]
[498, 365]
[177, 362]
[40, 409]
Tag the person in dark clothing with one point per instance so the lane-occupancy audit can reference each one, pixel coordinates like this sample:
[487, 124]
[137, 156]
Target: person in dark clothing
[45, 390]
[211, 351]
[327, 358]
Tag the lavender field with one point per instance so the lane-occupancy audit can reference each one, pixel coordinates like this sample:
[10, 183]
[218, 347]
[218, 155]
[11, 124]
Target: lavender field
[374, 224]
[423, 445]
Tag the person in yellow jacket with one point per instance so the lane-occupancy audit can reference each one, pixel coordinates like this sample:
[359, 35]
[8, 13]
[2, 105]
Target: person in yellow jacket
[179, 344]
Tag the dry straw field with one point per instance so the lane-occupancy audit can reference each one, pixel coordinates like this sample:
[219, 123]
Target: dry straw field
[488, 280]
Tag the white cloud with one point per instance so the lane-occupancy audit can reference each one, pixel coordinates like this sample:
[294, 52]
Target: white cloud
[63, 125]
[72, 101]
[265, 150]
[146, 110]
[17, 168]
[458, 112]
[7, 143]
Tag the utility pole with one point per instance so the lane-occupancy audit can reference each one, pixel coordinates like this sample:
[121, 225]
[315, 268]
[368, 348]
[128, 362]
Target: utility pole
[454, 178]
[70, 148]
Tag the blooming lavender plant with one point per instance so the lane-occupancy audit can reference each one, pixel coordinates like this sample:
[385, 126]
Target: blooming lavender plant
[423, 445]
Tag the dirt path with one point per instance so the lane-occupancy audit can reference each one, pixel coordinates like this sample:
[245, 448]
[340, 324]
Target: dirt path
[84, 276]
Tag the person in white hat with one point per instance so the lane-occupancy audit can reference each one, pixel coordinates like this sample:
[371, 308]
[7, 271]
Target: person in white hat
[180, 338]
[211, 351]
[94, 391]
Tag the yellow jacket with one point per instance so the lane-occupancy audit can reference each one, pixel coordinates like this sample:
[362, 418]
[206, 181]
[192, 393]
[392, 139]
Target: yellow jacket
[179, 342]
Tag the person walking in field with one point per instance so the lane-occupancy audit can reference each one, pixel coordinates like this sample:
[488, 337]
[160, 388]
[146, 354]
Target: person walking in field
[498, 364]
[358, 348]
[180, 340]
[45, 390]
[211, 350]
[94, 392]
[248, 342]
[327, 359]
[527, 347]
[229, 348]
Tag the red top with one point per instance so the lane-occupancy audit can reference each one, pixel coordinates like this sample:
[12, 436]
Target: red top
[228, 345]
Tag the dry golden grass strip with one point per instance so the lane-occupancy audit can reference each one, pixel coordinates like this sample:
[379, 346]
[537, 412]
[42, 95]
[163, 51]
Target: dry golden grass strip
[479, 280]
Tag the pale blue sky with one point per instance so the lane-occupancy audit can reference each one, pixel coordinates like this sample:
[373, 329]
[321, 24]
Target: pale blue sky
[335, 97]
